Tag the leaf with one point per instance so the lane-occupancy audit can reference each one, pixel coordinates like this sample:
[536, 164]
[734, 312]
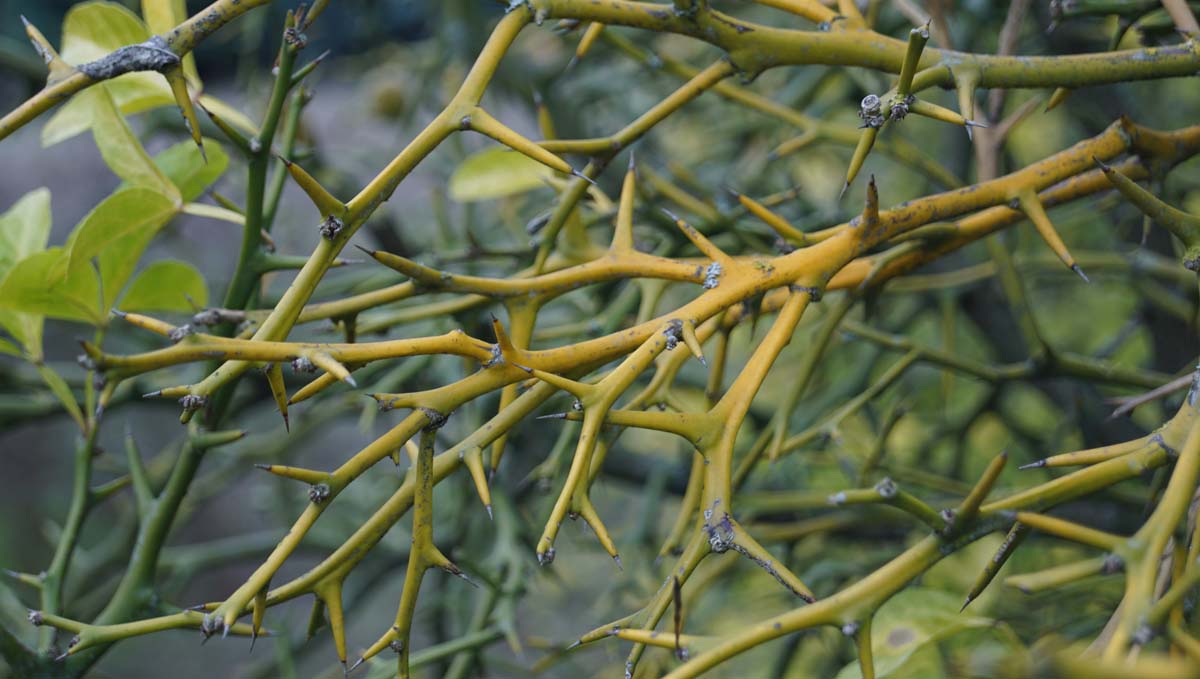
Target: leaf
[93, 29]
[122, 151]
[59, 386]
[187, 169]
[24, 230]
[912, 620]
[42, 284]
[133, 92]
[166, 286]
[229, 114]
[128, 211]
[90, 31]
[213, 212]
[494, 173]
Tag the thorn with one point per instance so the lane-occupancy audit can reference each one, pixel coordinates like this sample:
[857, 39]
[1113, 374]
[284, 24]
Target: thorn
[632, 163]
[253, 638]
[350, 378]
[370, 253]
[153, 394]
[118, 313]
[617, 559]
[1077, 269]
[345, 669]
[674, 217]
[574, 644]
[62, 657]
[358, 662]
[584, 177]
[553, 416]
[1033, 465]
[845, 186]
[570, 64]
[489, 511]
[1103, 165]
[225, 631]
[965, 604]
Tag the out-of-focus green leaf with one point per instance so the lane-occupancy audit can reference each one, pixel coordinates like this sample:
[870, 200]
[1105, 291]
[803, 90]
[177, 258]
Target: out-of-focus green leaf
[187, 170]
[24, 230]
[213, 212]
[63, 392]
[494, 173]
[127, 212]
[166, 286]
[120, 147]
[42, 284]
[90, 31]
[229, 114]
[9, 348]
[909, 622]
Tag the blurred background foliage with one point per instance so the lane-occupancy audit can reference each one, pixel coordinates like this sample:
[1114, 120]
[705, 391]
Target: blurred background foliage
[393, 65]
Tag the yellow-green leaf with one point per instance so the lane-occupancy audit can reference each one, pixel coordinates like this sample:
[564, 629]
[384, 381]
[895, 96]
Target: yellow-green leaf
[24, 230]
[910, 621]
[41, 284]
[90, 31]
[166, 286]
[93, 29]
[130, 211]
[59, 386]
[188, 170]
[494, 173]
[122, 151]
[229, 114]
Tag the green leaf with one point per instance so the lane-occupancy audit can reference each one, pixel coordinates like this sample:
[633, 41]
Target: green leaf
[166, 286]
[90, 31]
[42, 284]
[187, 170]
[912, 620]
[24, 230]
[127, 212]
[122, 151]
[494, 173]
[59, 386]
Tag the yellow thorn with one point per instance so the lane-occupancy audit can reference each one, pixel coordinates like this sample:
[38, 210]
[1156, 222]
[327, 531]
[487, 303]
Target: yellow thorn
[1031, 205]
[179, 89]
[278, 390]
[481, 121]
[324, 201]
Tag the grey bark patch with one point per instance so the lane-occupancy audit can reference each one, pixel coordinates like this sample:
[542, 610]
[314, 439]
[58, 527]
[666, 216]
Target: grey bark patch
[151, 55]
